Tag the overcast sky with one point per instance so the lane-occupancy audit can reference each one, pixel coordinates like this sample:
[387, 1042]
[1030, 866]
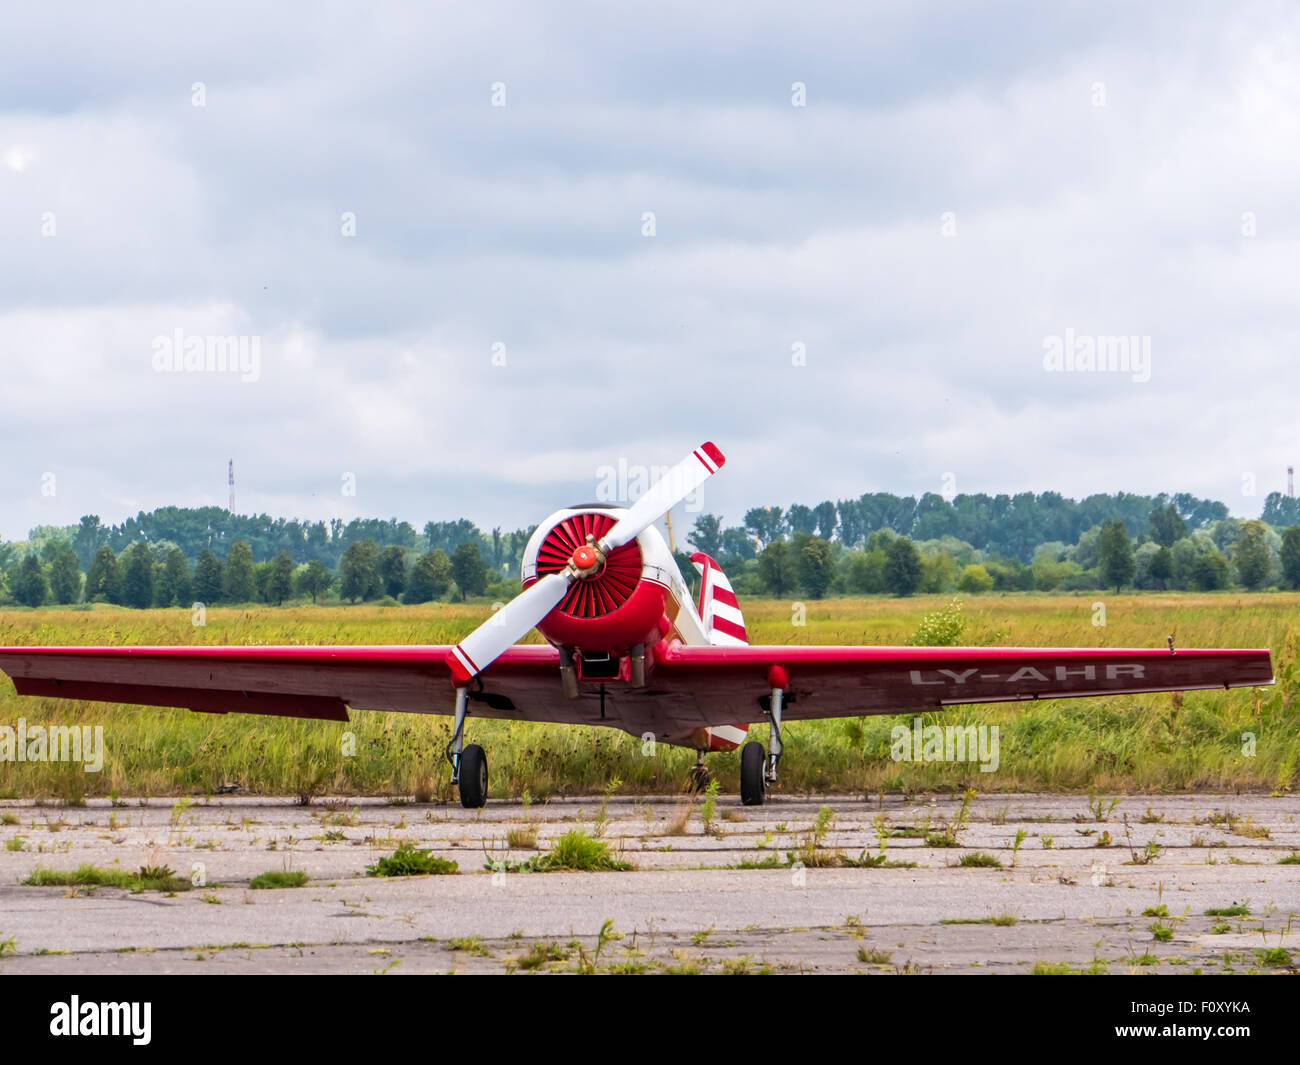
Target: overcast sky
[850, 286]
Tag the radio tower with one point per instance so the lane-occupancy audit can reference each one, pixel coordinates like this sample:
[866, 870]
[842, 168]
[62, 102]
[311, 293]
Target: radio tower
[230, 479]
[1290, 482]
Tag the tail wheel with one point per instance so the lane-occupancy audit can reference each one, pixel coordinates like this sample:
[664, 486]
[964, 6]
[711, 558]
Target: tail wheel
[752, 760]
[473, 777]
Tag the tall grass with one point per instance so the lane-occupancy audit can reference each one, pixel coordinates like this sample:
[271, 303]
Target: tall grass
[1131, 743]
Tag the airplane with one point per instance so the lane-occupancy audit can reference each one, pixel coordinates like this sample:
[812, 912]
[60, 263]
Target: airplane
[627, 647]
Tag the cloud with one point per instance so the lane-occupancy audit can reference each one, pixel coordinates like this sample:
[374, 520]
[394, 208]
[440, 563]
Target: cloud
[959, 187]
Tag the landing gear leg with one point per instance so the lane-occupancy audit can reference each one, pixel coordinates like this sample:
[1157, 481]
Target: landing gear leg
[699, 776]
[468, 764]
[774, 746]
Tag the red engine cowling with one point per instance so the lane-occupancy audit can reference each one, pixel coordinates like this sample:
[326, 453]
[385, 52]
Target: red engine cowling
[611, 611]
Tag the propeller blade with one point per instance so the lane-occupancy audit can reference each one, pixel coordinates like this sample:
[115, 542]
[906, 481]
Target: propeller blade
[482, 646]
[665, 493]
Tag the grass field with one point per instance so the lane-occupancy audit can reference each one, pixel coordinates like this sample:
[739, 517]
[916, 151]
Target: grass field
[1120, 745]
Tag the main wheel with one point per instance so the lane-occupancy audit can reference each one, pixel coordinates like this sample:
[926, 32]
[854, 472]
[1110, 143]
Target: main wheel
[752, 759]
[473, 777]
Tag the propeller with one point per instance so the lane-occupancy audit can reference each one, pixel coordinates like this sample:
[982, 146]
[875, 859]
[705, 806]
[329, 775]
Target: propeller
[511, 623]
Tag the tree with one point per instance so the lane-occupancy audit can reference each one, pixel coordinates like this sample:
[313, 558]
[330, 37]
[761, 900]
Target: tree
[707, 535]
[207, 578]
[137, 576]
[279, 582]
[1251, 555]
[801, 520]
[1291, 556]
[359, 571]
[104, 578]
[766, 523]
[174, 587]
[867, 571]
[392, 568]
[975, 578]
[30, 587]
[430, 577]
[1210, 570]
[468, 570]
[902, 566]
[89, 539]
[1166, 526]
[65, 574]
[1162, 567]
[239, 582]
[315, 579]
[776, 568]
[816, 569]
[1115, 563]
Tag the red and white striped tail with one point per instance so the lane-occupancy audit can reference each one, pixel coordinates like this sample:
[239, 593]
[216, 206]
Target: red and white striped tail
[719, 609]
[725, 625]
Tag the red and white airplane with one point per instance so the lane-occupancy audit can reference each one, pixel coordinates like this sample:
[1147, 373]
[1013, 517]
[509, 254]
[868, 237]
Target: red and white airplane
[627, 647]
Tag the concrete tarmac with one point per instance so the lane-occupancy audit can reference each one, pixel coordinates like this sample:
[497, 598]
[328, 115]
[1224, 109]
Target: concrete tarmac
[1124, 893]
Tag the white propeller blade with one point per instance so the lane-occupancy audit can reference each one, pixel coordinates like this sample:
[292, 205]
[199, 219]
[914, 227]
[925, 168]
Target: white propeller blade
[665, 493]
[509, 624]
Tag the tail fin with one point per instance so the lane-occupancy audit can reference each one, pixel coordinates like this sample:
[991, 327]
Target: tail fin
[719, 609]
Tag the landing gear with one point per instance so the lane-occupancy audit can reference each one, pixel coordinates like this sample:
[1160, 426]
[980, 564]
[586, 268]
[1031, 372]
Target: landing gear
[468, 764]
[752, 764]
[698, 778]
[775, 746]
[473, 777]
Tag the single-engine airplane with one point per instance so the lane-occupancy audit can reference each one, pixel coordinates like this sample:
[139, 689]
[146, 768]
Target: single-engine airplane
[627, 646]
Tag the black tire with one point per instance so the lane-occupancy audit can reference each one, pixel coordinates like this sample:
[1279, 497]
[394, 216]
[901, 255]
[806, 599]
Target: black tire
[473, 777]
[752, 759]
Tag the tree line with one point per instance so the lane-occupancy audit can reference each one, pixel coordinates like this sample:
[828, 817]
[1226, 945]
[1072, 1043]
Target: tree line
[1165, 555]
[877, 544]
[146, 575]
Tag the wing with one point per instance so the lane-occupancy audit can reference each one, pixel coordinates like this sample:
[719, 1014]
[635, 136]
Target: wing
[313, 682]
[729, 685]
[690, 687]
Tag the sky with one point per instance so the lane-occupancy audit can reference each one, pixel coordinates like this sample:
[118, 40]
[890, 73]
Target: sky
[478, 254]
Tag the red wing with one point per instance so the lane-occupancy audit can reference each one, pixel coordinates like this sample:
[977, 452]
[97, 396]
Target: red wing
[690, 687]
[727, 683]
[316, 682]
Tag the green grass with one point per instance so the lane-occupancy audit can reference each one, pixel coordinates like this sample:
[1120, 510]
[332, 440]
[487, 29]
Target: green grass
[1119, 745]
[409, 860]
[1002, 920]
[1052, 968]
[278, 878]
[1237, 909]
[577, 851]
[979, 860]
[1273, 956]
[147, 878]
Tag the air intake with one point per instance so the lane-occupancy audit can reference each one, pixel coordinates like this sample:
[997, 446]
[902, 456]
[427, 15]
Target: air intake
[609, 589]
